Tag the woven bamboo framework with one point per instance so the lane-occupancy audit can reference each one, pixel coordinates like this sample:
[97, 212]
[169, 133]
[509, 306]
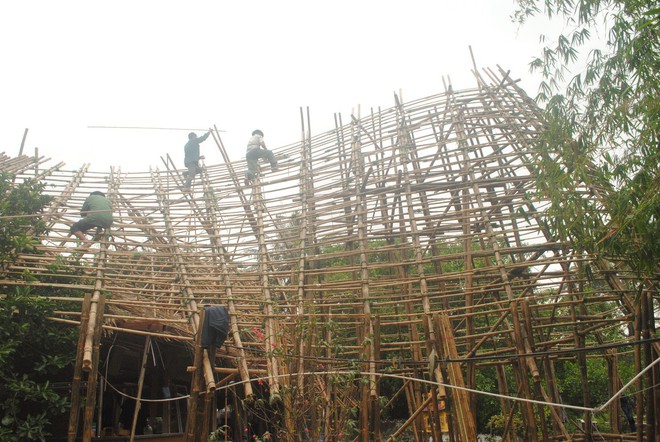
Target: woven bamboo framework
[406, 242]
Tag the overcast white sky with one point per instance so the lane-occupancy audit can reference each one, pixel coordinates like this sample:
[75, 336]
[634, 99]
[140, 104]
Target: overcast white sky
[241, 65]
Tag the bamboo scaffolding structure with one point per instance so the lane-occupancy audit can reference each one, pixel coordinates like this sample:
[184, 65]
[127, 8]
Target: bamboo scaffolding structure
[343, 258]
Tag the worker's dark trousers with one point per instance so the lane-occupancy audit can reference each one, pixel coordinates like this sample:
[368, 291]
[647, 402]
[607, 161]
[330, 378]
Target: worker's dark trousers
[253, 156]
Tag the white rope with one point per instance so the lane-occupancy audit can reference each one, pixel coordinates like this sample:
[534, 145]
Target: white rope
[618, 393]
[409, 378]
[485, 393]
[368, 373]
[150, 128]
[142, 399]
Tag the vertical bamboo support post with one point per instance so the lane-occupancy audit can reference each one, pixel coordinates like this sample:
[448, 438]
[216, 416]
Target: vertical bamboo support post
[306, 194]
[655, 354]
[613, 386]
[648, 333]
[138, 398]
[207, 416]
[93, 341]
[578, 339]
[91, 326]
[375, 407]
[553, 397]
[503, 389]
[368, 391]
[639, 384]
[466, 421]
[329, 387]
[365, 390]
[196, 385]
[523, 382]
[466, 201]
[74, 411]
[270, 343]
[527, 338]
[90, 401]
[413, 392]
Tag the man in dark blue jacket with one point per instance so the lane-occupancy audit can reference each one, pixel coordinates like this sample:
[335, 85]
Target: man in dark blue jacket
[215, 329]
[191, 160]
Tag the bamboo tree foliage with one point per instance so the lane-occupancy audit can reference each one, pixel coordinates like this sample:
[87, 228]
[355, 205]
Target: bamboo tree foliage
[33, 350]
[598, 161]
[20, 205]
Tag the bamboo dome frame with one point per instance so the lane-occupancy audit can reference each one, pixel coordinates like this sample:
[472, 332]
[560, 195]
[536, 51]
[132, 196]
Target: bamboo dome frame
[408, 242]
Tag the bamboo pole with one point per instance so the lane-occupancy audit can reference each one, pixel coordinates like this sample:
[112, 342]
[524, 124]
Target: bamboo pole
[92, 377]
[271, 339]
[143, 369]
[196, 386]
[91, 349]
[466, 423]
[74, 411]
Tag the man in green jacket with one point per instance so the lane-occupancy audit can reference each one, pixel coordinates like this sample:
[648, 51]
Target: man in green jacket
[96, 212]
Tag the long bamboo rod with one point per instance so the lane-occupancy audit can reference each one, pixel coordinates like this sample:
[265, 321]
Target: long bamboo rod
[138, 395]
[74, 412]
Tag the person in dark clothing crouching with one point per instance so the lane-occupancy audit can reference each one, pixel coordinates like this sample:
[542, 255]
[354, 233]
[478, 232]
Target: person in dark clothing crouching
[215, 329]
[96, 212]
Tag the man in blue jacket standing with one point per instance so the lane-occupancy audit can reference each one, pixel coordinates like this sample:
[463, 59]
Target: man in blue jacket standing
[192, 157]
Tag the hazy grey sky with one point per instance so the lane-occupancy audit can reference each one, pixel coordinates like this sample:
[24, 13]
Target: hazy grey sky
[239, 65]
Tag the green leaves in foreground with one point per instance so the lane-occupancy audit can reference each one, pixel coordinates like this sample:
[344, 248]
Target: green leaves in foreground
[33, 351]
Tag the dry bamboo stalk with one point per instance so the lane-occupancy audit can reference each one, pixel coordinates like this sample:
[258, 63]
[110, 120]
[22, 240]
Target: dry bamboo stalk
[90, 400]
[466, 423]
[143, 368]
[93, 313]
[74, 412]
[196, 386]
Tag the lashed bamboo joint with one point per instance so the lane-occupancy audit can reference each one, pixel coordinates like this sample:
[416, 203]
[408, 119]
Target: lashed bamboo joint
[406, 242]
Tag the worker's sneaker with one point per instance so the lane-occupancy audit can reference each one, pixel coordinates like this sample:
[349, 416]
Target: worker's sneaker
[274, 168]
[247, 182]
